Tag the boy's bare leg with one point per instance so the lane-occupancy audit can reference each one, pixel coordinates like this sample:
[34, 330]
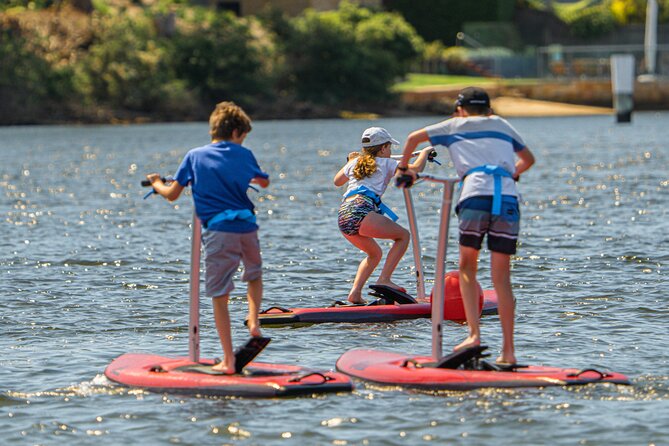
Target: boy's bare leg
[366, 267]
[470, 295]
[254, 296]
[222, 318]
[501, 279]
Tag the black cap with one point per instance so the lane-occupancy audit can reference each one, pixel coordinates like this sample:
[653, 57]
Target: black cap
[473, 96]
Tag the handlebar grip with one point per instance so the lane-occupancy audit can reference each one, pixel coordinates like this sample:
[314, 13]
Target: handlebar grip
[147, 183]
[404, 180]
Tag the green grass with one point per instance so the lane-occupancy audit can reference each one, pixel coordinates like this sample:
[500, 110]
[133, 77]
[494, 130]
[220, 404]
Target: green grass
[566, 10]
[416, 80]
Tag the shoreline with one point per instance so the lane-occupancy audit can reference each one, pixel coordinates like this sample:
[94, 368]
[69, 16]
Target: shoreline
[534, 99]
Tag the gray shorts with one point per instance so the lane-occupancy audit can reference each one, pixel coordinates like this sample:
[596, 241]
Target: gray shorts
[223, 252]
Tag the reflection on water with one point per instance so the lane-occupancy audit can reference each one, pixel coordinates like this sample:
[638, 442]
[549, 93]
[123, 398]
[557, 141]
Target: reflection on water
[92, 271]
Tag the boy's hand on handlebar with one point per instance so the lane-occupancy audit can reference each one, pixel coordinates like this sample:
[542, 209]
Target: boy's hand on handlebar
[153, 177]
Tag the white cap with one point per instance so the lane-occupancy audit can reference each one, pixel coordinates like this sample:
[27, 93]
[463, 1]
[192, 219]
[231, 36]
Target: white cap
[375, 136]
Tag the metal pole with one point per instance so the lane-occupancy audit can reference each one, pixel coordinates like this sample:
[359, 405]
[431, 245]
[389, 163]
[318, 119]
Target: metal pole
[650, 39]
[194, 322]
[415, 244]
[440, 272]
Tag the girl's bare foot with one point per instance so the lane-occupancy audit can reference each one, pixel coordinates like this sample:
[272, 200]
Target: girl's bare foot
[471, 341]
[254, 328]
[226, 367]
[355, 297]
[391, 284]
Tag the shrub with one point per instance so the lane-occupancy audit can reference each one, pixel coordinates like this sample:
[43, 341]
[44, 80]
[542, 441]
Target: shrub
[126, 65]
[349, 55]
[591, 21]
[217, 55]
[31, 88]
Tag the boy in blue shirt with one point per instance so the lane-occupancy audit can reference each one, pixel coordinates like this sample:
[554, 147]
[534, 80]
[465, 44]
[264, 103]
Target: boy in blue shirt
[219, 175]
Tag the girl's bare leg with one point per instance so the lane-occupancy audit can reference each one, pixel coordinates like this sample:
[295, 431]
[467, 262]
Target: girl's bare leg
[367, 265]
[377, 226]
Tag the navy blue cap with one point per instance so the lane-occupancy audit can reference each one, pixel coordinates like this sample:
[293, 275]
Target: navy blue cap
[473, 96]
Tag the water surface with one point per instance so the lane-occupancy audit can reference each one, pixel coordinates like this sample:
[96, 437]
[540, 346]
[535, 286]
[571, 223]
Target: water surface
[91, 271]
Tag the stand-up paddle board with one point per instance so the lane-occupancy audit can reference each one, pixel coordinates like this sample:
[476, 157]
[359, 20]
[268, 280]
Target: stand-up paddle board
[462, 370]
[251, 379]
[195, 376]
[389, 305]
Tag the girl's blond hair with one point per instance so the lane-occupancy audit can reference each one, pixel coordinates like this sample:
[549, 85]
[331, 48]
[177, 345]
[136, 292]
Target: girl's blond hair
[366, 165]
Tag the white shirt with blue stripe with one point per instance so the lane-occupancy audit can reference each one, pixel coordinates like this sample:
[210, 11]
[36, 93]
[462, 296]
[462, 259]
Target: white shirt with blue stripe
[475, 141]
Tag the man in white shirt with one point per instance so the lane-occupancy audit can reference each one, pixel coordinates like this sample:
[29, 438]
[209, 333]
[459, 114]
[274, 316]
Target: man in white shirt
[489, 156]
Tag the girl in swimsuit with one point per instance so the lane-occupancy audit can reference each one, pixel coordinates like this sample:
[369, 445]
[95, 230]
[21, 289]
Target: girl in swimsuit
[360, 214]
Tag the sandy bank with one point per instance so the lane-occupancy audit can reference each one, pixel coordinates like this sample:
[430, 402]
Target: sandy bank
[542, 98]
[523, 107]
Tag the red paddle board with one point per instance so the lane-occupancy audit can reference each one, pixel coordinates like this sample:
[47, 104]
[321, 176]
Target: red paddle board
[409, 371]
[180, 375]
[277, 316]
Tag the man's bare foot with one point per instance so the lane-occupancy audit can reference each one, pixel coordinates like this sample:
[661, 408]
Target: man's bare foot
[254, 328]
[355, 297]
[391, 284]
[506, 359]
[471, 341]
[225, 367]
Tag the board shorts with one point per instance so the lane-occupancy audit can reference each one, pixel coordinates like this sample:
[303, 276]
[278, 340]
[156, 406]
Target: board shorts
[476, 220]
[223, 252]
[353, 211]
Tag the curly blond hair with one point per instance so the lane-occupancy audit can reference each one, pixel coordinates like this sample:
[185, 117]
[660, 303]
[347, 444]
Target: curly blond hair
[227, 117]
[366, 165]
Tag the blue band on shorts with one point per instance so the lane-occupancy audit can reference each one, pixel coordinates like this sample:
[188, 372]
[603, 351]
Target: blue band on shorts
[477, 220]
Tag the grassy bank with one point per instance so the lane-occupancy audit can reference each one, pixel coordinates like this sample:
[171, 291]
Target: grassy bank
[415, 81]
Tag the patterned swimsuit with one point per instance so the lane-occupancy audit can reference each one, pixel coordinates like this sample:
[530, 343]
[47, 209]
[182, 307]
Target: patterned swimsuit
[352, 212]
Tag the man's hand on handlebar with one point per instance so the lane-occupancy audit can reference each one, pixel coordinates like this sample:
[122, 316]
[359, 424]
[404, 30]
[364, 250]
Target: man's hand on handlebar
[405, 178]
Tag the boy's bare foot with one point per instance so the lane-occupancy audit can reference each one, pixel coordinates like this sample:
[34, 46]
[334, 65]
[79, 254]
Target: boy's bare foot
[254, 328]
[356, 297]
[471, 341]
[391, 284]
[506, 359]
[225, 367]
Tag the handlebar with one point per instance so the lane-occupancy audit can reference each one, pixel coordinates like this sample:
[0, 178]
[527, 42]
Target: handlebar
[405, 180]
[430, 157]
[146, 183]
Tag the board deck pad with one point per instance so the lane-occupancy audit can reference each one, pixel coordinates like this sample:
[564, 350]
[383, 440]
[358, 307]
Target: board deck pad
[392, 294]
[247, 352]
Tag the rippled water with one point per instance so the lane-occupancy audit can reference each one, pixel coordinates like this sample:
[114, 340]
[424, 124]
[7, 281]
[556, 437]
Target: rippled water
[91, 271]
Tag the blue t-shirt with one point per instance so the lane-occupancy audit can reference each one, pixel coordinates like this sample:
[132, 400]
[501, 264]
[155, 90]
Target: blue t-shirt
[219, 174]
